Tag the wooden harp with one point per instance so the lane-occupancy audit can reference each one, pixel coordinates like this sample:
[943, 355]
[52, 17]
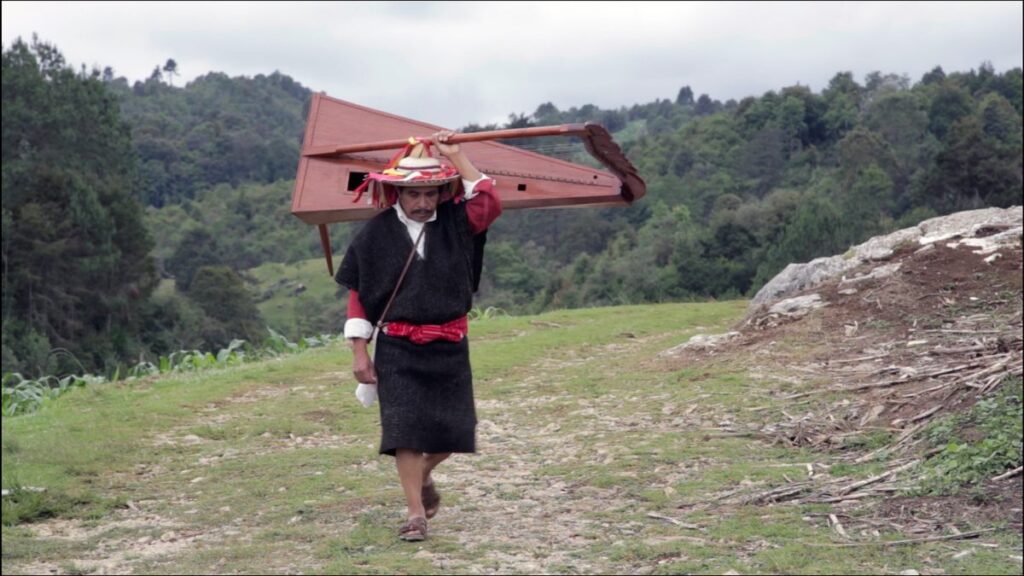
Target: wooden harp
[344, 142]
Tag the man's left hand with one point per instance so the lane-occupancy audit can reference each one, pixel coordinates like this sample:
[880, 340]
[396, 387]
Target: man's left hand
[441, 141]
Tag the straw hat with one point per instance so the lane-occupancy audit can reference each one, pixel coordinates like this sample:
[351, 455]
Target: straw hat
[413, 166]
[418, 168]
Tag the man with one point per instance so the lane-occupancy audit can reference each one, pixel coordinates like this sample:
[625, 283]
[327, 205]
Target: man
[421, 362]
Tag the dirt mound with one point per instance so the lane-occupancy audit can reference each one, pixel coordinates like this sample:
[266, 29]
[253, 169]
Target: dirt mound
[867, 357]
[925, 332]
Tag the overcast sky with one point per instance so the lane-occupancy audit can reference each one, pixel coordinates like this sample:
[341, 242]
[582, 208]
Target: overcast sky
[455, 63]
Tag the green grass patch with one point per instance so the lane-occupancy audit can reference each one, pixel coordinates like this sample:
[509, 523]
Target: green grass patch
[978, 444]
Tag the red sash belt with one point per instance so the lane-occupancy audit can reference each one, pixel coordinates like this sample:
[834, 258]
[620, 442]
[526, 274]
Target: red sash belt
[453, 331]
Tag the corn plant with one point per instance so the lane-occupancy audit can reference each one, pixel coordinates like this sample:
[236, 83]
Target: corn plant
[22, 395]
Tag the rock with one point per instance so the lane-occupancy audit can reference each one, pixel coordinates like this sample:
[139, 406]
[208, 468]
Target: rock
[882, 247]
[701, 342]
[875, 274]
[989, 244]
[797, 277]
[965, 225]
[968, 223]
[910, 572]
[797, 306]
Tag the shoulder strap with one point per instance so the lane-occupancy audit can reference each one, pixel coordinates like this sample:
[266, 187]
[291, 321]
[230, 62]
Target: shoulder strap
[408, 261]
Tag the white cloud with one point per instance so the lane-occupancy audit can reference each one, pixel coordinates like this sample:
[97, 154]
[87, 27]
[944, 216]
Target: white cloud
[456, 63]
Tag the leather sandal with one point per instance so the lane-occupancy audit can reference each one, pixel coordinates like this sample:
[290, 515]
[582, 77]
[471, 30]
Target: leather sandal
[431, 499]
[415, 530]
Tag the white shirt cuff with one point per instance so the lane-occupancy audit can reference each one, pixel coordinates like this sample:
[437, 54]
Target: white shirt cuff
[469, 186]
[358, 328]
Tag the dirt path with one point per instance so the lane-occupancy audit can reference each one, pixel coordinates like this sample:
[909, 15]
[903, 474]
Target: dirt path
[591, 459]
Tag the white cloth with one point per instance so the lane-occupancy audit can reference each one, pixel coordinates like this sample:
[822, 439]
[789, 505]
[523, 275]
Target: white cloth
[358, 328]
[367, 394]
[414, 227]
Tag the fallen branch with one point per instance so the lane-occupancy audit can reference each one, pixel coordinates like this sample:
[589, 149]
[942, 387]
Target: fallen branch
[778, 494]
[858, 485]
[657, 516]
[946, 331]
[838, 526]
[964, 350]
[961, 536]
[886, 383]
[861, 359]
[1009, 473]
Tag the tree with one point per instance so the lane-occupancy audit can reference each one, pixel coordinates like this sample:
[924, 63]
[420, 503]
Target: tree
[816, 230]
[860, 149]
[519, 121]
[1000, 121]
[705, 105]
[685, 96]
[198, 248]
[230, 310]
[972, 171]
[867, 204]
[75, 249]
[171, 68]
[934, 76]
[843, 97]
[950, 104]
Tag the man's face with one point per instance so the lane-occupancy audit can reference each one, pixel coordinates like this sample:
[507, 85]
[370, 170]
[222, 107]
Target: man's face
[419, 204]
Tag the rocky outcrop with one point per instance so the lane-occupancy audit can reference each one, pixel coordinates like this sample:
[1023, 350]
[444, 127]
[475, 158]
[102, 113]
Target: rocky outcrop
[984, 230]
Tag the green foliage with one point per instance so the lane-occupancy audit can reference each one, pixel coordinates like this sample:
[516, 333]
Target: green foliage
[736, 191]
[215, 130]
[22, 395]
[28, 504]
[803, 174]
[485, 314]
[228, 306]
[238, 226]
[76, 253]
[965, 460]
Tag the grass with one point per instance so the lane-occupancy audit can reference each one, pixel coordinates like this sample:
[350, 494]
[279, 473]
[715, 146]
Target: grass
[962, 461]
[272, 467]
[279, 302]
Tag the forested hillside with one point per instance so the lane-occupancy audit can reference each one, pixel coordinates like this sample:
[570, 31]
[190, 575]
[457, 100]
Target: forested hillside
[736, 190]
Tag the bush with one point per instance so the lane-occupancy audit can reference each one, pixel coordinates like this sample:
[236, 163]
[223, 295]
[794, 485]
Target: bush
[964, 462]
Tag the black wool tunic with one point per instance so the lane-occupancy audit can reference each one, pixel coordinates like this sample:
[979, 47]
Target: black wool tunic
[425, 390]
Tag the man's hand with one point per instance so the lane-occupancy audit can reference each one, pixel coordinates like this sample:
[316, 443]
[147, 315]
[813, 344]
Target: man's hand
[440, 140]
[454, 154]
[362, 366]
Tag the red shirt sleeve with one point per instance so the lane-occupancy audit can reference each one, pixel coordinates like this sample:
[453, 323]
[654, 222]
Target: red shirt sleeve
[484, 208]
[355, 307]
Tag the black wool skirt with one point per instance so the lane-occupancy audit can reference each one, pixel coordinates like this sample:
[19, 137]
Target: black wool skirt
[426, 396]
